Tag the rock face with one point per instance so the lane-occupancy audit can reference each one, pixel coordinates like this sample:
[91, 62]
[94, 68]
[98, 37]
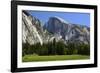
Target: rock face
[31, 29]
[55, 28]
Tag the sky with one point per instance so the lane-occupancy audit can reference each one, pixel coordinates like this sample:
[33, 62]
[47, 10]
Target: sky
[71, 17]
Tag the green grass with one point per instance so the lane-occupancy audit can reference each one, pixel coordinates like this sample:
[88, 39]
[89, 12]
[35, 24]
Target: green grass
[35, 58]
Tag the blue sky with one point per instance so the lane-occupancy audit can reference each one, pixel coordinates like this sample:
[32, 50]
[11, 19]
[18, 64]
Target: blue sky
[71, 17]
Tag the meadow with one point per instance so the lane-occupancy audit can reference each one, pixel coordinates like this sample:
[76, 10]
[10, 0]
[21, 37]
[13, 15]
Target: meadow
[36, 58]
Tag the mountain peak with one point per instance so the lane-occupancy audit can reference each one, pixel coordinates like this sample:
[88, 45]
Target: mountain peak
[59, 19]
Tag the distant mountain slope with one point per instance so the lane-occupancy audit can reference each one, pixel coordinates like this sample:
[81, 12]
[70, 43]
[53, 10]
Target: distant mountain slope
[68, 31]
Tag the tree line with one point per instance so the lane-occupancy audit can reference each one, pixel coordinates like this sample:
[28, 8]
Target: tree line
[56, 48]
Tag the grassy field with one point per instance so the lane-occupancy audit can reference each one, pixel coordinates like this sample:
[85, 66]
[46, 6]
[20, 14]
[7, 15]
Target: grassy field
[34, 58]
